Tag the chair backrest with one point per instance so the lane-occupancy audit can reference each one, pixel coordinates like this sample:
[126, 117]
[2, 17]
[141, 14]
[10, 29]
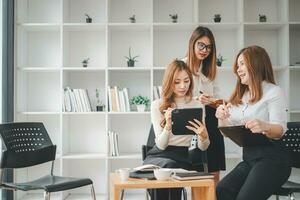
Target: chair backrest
[26, 144]
[151, 137]
[291, 140]
[197, 157]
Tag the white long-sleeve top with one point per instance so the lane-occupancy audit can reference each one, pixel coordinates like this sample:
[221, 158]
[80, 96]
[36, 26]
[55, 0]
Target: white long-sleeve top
[272, 107]
[203, 84]
[163, 138]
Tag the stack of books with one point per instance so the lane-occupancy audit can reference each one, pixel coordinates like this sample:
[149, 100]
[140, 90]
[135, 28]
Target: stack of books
[76, 100]
[113, 143]
[118, 99]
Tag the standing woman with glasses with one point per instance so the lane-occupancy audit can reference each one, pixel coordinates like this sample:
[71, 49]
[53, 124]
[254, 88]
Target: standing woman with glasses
[201, 59]
[261, 105]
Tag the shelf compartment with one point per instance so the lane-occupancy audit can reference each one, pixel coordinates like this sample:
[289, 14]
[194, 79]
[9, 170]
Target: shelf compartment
[74, 11]
[84, 135]
[93, 169]
[137, 82]
[170, 44]
[294, 7]
[87, 80]
[32, 42]
[125, 129]
[184, 10]
[273, 40]
[207, 12]
[136, 37]
[82, 42]
[294, 44]
[121, 12]
[33, 97]
[39, 11]
[275, 10]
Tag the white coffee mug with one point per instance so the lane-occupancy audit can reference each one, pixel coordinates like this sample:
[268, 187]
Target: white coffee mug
[123, 173]
[162, 174]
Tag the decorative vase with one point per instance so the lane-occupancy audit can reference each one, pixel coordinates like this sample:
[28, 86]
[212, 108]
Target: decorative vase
[219, 63]
[130, 63]
[217, 18]
[88, 20]
[84, 65]
[262, 18]
[99, 108]
[174, 20]
[141, 108]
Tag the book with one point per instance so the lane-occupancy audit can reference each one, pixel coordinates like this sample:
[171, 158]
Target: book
[151, 167]
[191, 176]
[243, 137]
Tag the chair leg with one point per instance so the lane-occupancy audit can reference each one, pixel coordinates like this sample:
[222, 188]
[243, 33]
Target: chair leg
[93, 192]
[184, 194]
[292, 196]
[46, 195]
[122, 195]
[277, 197]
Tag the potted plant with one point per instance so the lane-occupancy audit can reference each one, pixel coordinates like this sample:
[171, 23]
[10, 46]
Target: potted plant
[262, 18]
[220, 59]
[132, 19]
[88, 19]
[100, 104]
[140, 101]
[217, 18]
[131, 60]
[174, 17]
[85, 62]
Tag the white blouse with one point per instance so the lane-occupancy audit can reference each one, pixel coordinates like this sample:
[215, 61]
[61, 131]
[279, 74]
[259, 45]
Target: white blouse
[162, 138]
[203, 84]
[272, 107]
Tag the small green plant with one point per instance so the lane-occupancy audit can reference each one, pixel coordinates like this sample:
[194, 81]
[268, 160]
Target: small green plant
[131, 60]
[85, 62]
[139, 100]
[220, 59]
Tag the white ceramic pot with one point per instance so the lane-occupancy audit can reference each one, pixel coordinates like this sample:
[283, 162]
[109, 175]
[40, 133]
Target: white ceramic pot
[141, 108]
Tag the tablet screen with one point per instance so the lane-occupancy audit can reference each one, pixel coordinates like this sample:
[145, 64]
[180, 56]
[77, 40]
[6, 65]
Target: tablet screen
[180, 118]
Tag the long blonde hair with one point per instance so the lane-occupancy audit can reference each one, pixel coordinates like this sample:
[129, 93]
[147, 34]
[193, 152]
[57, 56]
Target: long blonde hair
[260, 69]
[168, 86]
[209, 68]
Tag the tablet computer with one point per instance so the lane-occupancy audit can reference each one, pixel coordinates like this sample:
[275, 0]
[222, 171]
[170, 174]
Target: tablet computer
[180, 118]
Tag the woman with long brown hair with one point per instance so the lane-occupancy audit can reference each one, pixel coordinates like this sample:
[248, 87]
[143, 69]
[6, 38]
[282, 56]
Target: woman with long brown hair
[259, 104]
[171, 151]
[201, 59]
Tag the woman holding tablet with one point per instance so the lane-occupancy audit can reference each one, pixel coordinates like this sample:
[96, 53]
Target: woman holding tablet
[259, 104]
[171, 151]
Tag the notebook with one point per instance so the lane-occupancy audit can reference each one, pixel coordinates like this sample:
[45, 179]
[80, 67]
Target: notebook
[180, 118]
[192, 176]
[244, 137]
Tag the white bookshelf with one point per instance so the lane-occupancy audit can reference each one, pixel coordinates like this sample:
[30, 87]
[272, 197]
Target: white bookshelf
[52, 39]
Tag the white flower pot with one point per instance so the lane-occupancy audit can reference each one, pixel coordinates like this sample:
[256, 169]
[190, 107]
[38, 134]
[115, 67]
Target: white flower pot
[141, 108]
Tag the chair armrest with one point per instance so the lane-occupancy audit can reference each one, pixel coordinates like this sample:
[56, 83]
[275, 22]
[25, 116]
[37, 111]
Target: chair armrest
[145, 150]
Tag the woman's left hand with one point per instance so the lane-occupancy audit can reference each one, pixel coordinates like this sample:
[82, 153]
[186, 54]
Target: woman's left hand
[198, 128]
[257, 126]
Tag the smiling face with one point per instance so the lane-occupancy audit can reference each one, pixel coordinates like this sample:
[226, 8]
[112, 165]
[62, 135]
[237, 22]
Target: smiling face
[202, 48]
[181, 83]
[242, 70]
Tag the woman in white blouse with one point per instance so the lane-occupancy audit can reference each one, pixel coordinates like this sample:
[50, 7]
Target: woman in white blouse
[171, 151]
[260, 105]
[201, 59]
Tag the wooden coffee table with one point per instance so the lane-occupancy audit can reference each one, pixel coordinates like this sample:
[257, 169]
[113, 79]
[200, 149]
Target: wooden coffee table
[201, 189]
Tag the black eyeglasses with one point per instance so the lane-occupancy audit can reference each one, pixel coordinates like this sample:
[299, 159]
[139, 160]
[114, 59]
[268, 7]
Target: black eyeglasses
[201, 46]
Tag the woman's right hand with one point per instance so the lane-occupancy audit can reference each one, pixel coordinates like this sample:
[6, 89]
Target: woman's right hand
[205, 99]
[168, 117]
[222, 111]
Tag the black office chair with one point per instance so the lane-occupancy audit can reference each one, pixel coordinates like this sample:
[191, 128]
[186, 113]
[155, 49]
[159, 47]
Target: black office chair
[28, 144]
[292, 142]
[197, 157]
